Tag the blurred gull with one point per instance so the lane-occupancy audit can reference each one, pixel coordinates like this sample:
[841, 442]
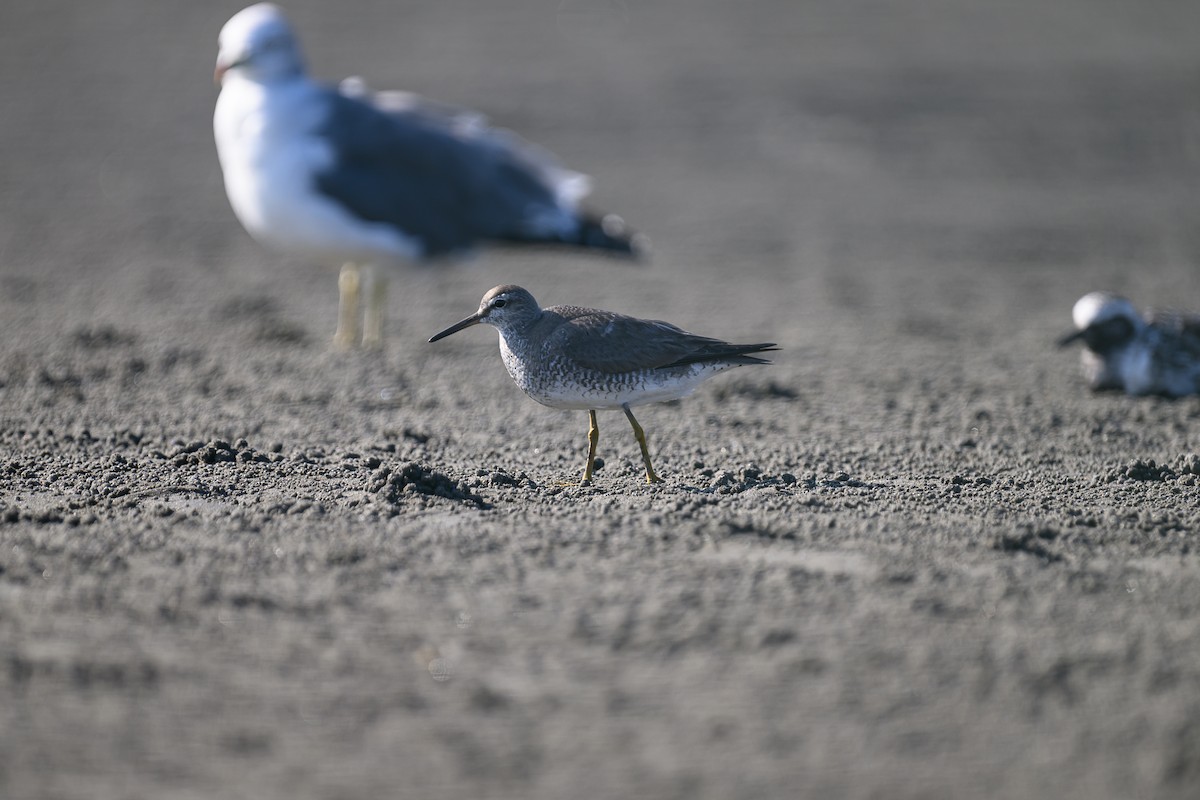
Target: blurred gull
[378, 178]
[1156, 353]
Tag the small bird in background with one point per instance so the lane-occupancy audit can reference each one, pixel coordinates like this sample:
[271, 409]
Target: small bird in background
[1156, 353]
[375, 179]
[584, 358]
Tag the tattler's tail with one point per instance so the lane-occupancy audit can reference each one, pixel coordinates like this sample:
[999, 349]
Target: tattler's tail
[726, 353]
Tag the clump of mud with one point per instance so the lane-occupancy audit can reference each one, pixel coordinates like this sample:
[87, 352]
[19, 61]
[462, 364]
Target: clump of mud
[391, 485]
[749, 477]
[1186, 470]
[1189, 468]
[1141, 470]
[1031, 540]
[502, 478]
[216, 451]
[752, 476]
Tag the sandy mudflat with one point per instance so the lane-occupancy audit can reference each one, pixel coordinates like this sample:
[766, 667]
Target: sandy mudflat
[912, 558]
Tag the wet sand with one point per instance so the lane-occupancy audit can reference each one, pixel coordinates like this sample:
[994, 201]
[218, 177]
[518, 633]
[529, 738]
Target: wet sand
[914, 557]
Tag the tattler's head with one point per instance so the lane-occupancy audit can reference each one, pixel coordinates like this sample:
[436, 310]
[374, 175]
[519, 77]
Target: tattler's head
[505, 308]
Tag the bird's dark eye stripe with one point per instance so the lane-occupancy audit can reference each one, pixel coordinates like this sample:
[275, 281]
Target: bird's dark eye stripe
[1119, 326]
[1109, 334]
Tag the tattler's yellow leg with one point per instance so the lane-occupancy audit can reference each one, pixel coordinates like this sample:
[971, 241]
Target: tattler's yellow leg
[640, 435]
[593, 439]
[346, 335]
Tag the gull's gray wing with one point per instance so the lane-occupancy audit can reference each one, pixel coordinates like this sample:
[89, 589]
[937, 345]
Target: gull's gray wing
[433, 177]
[460, 121]
[1182, 323]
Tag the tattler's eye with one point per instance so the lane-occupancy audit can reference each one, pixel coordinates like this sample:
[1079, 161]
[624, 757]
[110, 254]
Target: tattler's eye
[499, 302]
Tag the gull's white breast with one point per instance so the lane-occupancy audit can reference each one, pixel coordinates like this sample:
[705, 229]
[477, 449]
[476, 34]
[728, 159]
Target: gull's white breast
[1136, 367]
[270, 153]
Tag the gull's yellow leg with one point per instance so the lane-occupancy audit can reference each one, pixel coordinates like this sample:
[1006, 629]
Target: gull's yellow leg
[640, 435]
[373, 315]
[346, 335]
[593, 439]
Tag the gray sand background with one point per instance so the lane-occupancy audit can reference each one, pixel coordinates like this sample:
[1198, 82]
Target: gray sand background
[912, 558]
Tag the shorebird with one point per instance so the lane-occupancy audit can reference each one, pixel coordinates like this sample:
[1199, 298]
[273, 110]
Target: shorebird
[584, 358]
[374, 179]
[1156, 353]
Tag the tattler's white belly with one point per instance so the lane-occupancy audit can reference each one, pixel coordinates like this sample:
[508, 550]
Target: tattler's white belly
[556, 381]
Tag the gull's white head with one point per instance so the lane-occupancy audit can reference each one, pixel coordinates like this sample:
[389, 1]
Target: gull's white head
[258, 43]
[1104, 321]
[1097, 308]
